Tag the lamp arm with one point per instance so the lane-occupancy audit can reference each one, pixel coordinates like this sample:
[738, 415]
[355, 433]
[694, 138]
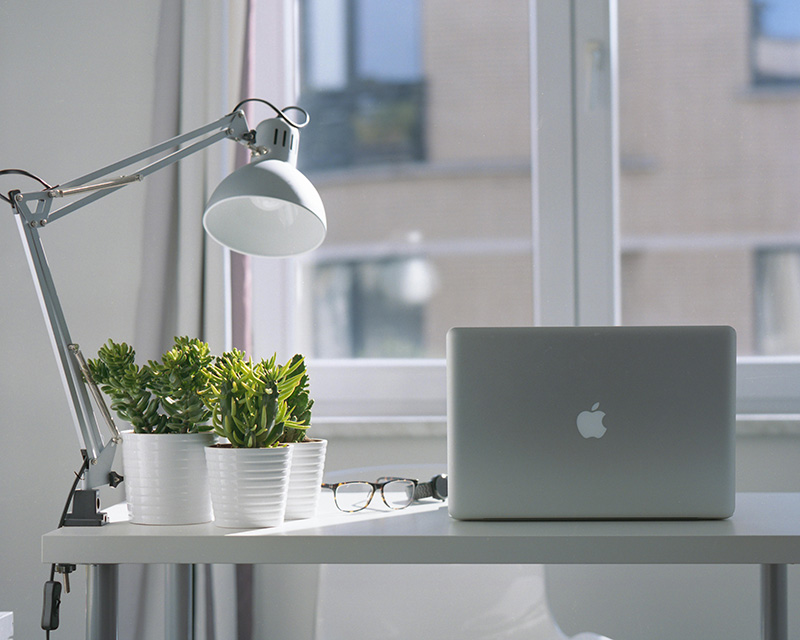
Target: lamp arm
[33, 211]
[233, 126]
[100, 454]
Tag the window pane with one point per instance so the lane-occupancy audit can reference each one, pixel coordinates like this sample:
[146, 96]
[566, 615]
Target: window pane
[776, 41]
[326, 45]
[423, 161]
[778, 18]
[709, 189]
[388, 46]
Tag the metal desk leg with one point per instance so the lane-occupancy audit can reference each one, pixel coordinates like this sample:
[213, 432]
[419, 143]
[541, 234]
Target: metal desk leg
[101, 602]
[179, 601]
[774, 611]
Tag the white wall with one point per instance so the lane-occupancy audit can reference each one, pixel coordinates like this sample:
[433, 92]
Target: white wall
[77, 93]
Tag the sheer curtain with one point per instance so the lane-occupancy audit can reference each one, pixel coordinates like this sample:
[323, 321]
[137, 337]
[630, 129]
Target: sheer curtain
[199, 69]
[201, 72]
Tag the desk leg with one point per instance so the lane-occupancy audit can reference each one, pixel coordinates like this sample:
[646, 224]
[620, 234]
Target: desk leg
[101, 602]
[774, 611]
[179, 602]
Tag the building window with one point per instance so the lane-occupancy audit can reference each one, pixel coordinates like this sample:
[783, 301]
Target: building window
[778, 301]
[362, 79]
[775, 46]
[372, 309]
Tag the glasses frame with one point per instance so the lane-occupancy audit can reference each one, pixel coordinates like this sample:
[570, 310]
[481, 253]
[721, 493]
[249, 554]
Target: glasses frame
[375, 486]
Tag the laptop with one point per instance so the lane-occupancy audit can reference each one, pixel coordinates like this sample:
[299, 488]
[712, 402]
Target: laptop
[591, 422]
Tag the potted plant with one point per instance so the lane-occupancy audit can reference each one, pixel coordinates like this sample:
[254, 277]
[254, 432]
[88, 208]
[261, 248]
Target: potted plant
[166, 478]
[249, 471]
[308, 458]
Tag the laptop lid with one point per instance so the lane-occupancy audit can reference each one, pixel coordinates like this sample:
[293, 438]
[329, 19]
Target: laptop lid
[591, 422]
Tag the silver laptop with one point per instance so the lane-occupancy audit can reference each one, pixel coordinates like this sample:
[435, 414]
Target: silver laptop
[591, 422]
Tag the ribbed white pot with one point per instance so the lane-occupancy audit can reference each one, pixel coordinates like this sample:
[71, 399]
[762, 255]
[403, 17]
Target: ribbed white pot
[308, 463]
[166, 480]
[248, 486]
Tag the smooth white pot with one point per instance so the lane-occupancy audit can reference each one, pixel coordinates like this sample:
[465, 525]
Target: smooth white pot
[166, 481]
[248, 486]
[308, 463]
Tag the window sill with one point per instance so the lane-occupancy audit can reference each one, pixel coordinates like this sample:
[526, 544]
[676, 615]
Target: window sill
[421, 427]
[774, 425]
[434, 427]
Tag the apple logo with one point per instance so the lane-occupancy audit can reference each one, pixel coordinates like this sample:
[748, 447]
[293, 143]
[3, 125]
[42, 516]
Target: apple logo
[590, 423]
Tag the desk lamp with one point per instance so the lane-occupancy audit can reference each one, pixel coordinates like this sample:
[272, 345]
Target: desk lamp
[265, 208]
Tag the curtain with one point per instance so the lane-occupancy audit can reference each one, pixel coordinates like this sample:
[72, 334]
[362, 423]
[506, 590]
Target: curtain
[188, 280]
[199, 72]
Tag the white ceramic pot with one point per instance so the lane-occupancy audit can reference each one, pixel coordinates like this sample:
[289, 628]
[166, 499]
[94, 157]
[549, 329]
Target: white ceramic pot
[166, 481]
[308, 463]
[248, 486]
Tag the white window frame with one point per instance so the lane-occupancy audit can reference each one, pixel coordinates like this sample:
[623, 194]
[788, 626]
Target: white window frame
[576, 160]
[576, 257]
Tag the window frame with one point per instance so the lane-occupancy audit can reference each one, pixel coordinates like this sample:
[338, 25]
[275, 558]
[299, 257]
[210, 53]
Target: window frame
[576, 243]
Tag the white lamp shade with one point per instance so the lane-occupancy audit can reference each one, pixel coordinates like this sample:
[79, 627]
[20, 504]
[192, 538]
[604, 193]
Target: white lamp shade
[266, 208]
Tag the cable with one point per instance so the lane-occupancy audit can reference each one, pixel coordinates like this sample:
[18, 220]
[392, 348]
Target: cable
[281, 114]
[21, 172]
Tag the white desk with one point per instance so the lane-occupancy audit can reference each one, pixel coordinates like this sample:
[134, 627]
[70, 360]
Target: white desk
[764, 530]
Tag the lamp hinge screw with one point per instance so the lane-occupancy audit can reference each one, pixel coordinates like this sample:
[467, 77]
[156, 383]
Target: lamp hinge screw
[18, 197]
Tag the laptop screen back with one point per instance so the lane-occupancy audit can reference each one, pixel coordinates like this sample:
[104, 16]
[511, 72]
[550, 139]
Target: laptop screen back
[591, 422]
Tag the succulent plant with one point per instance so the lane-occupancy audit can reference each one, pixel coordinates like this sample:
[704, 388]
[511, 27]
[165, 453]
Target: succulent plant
[299, 403]
[248, 399]
[116, 373]
[159, 397]
[177, 381]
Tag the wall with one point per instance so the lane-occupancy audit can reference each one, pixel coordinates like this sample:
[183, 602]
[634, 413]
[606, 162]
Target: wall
[77, 94]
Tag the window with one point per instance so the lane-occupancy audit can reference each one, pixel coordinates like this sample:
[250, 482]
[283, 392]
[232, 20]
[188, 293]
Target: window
[361, 74]
[775, 46]
[777, 288]
[419, 144]
[443, 219]
[371, 308]
[652, 190]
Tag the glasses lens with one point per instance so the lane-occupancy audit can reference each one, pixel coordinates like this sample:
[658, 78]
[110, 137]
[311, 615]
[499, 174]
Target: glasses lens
[398, 494]
[353, 496]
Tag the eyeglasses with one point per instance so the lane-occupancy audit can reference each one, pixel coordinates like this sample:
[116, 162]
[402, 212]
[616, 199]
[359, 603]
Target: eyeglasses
[396, 493]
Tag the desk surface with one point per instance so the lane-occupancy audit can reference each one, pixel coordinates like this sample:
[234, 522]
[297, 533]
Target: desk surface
[765, 529]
